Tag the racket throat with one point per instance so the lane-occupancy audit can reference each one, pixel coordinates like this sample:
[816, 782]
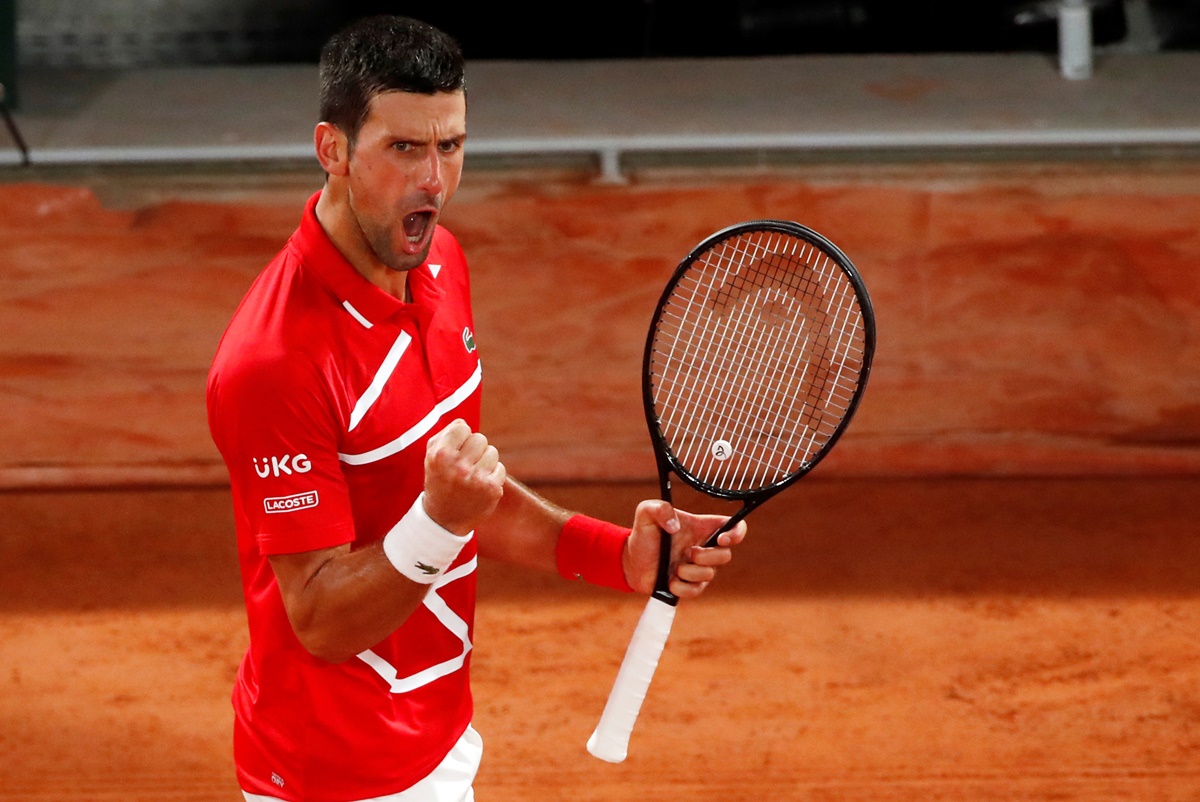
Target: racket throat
[733, 521]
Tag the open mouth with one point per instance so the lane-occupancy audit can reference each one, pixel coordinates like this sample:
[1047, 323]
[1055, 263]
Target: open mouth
[417, 225]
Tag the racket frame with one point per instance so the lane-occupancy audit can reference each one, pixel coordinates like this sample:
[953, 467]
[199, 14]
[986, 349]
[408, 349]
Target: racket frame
[667, 462]
[610, 740]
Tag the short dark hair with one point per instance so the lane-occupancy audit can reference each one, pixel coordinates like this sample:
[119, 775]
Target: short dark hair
[380, 54]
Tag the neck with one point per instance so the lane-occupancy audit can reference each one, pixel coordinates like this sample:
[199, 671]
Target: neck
[334, 215]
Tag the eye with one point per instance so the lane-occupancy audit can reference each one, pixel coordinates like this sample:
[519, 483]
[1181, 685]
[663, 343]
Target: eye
[450, 146]
[402, 147]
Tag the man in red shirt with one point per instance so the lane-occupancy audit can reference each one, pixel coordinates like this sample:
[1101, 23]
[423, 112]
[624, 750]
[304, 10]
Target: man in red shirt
[344, 398]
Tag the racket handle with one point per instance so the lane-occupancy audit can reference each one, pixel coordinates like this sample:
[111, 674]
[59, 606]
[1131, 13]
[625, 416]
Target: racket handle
[610, 741]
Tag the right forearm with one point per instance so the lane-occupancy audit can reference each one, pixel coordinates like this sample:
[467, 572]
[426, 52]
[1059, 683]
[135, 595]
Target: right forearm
[350, 602]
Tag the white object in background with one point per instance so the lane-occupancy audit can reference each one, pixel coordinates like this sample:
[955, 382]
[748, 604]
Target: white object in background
[1075, 39]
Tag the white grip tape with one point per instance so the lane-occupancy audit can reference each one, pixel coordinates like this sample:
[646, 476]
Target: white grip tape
[419, 547]
[610, 741]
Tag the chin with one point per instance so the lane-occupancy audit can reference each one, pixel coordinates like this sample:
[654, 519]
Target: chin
[405, 266]
[401, 262]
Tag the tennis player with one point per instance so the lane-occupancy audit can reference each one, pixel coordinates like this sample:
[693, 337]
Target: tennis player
[345, 399]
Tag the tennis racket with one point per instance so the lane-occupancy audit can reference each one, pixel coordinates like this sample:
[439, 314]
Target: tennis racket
[756, 360]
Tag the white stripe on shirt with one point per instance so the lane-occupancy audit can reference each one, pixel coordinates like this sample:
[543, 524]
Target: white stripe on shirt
[447, 618]
[357, 315]
[381, 376]
[422, 426]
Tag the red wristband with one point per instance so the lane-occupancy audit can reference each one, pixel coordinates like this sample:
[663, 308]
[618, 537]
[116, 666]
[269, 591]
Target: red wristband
[591, 550]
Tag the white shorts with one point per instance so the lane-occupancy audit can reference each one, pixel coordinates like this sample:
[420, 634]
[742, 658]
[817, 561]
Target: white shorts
[451, 781]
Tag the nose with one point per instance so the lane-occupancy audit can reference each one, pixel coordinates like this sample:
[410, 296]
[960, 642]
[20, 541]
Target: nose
[430, 179]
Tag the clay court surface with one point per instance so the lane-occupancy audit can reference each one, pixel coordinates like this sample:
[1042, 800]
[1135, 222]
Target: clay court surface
[990, 591]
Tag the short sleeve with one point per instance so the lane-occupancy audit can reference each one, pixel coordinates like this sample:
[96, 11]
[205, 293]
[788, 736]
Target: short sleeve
[275, 424]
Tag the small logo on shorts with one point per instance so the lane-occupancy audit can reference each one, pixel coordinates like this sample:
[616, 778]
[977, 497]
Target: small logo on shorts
[469, 340]
[299, 501]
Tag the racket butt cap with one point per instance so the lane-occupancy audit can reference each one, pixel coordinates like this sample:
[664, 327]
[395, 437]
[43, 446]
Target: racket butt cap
[609, 752]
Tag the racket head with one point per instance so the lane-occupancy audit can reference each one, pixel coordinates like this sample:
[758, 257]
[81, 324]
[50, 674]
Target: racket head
[756, 359]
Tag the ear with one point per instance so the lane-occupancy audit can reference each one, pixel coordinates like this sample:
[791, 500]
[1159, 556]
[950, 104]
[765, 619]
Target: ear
[333, 149]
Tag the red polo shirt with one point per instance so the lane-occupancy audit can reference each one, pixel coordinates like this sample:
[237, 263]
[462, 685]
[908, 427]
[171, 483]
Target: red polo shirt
[322, 395]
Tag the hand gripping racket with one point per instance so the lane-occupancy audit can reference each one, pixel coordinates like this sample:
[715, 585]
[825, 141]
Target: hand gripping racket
[756, 359]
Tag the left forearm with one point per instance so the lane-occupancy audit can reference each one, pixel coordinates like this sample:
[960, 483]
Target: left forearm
[523, 530]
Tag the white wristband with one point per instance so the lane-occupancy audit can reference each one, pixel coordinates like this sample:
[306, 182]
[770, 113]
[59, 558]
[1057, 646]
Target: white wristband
[419, 548]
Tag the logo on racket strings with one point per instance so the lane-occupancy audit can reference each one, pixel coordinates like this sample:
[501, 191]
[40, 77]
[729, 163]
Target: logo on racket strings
[721, 450]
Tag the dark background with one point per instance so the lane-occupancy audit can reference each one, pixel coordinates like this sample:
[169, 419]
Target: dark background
[682, 28]
[291, 31]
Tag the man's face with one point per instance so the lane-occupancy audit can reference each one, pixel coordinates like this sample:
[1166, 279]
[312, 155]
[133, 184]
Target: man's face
[405, 167]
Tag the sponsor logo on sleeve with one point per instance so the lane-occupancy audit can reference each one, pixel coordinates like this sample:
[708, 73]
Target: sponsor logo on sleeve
[297, 501]
[282, 466]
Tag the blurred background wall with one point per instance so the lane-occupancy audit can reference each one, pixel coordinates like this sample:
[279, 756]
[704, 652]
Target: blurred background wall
[126, 33]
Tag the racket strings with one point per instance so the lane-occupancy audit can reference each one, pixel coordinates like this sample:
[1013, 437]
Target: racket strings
[755, 334]
[756, 359]
[764, 402]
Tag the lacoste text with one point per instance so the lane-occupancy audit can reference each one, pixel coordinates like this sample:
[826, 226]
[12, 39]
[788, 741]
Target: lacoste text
[300, 501]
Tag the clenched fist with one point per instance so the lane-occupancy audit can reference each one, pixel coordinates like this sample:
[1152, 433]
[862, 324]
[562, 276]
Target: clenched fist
[464, 478]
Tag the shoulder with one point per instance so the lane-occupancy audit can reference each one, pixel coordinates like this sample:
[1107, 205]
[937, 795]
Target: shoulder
[281, 317]
[275, 345]
[265, 377]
